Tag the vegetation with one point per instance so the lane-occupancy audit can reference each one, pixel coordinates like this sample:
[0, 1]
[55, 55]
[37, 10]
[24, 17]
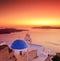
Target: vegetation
[56, 58]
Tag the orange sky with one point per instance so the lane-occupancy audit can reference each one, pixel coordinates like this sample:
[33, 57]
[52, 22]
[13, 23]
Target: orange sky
[32, 13]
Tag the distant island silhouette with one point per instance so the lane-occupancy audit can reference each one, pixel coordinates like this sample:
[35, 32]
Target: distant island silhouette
[10, 30]
[46, 27]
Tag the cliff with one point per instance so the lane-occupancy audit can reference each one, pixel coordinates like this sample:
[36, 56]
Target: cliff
[10, 30]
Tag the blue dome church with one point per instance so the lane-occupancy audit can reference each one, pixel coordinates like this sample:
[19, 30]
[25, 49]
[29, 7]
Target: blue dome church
[19, 46]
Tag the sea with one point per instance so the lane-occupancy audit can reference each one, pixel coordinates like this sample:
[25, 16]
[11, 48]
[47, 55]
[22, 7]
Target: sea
[49, 38]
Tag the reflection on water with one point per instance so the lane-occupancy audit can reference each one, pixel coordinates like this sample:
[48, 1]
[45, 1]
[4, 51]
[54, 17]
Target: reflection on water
[50, 38]
[53, 43]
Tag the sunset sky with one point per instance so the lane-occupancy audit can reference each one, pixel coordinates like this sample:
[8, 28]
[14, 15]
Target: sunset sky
[30, 13]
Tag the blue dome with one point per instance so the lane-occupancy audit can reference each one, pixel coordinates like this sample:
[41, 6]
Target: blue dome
[19, 44]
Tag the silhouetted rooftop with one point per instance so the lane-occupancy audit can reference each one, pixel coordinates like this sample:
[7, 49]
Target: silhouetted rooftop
[3, 46]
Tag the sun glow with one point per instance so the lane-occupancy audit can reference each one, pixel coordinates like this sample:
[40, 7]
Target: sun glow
[33, 22]
[44, 22]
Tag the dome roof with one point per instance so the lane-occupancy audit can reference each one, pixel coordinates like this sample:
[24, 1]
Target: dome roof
[19, 45]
